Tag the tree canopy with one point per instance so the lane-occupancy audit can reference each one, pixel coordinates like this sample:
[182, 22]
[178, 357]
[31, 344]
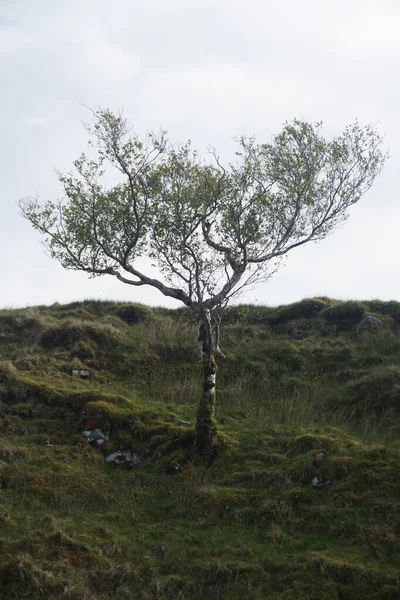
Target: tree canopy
[209, 229]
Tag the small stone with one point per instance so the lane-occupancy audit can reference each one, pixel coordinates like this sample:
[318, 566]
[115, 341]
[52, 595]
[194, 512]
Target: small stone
[4, 516]
[97, 436]
[129, 458]
[112, 457]
[81, 373]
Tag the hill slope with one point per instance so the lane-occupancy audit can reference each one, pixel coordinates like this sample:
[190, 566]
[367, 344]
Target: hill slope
[151, 524]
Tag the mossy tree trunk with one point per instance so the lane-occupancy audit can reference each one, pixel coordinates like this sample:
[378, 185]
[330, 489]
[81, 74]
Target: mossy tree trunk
[206, 425]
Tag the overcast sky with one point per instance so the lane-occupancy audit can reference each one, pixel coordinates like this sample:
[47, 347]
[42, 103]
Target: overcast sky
[206, 71]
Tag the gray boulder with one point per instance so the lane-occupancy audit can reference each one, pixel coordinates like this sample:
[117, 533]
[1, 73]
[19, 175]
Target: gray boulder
[369, 323]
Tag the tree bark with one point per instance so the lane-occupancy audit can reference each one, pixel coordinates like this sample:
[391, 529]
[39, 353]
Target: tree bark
[206, 425]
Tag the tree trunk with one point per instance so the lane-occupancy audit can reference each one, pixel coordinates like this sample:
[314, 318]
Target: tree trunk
[206, 425]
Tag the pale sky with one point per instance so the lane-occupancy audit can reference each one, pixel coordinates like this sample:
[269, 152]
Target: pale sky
[209, 72]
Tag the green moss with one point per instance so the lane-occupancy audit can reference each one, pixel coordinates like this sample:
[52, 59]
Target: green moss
[106, 415]
[307, 442]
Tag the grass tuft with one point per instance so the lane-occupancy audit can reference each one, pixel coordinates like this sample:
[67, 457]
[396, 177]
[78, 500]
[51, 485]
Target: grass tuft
[251, 525]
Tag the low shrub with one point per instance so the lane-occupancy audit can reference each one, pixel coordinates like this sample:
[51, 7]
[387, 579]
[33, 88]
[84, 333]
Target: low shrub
[132, 314]
[346, 315]
[305, 309]
[73, 331]
[7, 371]
[22, 327]
[390, 308]
[375, 392]
[17, 323]
[247, 314]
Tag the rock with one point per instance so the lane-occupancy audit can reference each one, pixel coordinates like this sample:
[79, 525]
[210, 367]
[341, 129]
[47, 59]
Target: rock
[112, 457]
[128, 458]
[369, 323]
[95, 437]
[81, 373]
[133, 458]
[319, 484]
[4, 516]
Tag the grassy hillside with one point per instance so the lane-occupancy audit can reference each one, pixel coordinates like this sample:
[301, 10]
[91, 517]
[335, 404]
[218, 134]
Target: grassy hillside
[296, 379]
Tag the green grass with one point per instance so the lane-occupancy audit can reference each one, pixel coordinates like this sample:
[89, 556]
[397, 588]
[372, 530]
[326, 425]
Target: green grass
[249, 526]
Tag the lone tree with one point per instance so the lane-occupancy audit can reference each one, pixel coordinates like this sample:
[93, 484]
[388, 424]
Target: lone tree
[210, 229]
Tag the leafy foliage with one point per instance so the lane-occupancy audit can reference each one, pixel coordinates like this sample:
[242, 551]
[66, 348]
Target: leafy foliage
[209, 229]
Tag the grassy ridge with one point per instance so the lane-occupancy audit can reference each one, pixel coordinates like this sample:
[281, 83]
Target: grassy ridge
[295, 379]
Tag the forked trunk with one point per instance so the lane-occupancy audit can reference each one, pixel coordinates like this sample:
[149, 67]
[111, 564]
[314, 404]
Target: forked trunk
[206, 425]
